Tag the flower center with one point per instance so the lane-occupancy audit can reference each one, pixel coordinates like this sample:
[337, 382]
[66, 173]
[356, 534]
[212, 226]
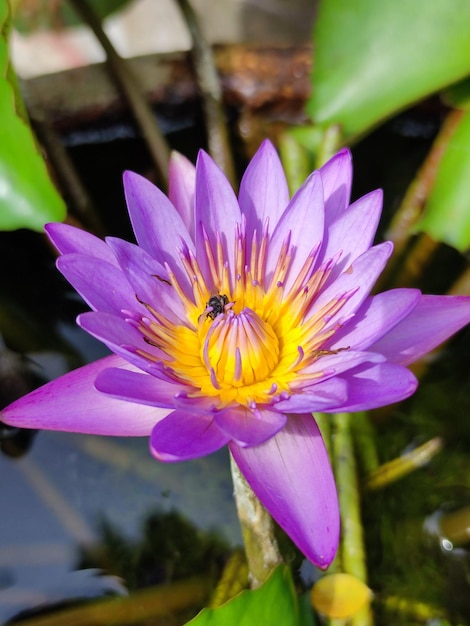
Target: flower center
[246, 338]
[240, 349]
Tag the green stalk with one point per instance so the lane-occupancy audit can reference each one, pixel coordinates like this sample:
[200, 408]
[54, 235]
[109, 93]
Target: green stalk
[364, 442]
[262, 552]
[295, 161]
[330, 144]
[403, 465]
[352, 540]
[348, 495]
[411, 208]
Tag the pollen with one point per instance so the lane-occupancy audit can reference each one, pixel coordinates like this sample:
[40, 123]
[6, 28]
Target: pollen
[247, 338]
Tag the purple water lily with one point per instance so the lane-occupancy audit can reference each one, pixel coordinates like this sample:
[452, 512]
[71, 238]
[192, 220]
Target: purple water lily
[232, 321]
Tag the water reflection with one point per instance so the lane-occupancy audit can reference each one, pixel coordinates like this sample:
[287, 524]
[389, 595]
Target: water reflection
[84, 501]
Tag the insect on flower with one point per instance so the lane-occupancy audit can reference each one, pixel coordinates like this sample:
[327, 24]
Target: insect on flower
[234, 320]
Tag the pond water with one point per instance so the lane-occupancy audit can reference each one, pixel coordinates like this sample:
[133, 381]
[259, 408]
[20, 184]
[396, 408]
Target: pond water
[71, 501]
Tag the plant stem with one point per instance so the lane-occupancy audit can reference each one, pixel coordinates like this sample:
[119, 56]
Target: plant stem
[364, 442]
[403, 465]
[130, 87]
[261, 547]
[211, 91]
[353, 557]
[400, 228]
[416, 261]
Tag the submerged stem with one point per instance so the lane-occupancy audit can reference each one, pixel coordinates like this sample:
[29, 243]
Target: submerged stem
[262, 551]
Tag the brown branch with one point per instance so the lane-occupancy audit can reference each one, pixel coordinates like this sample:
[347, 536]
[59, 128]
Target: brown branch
[132, 91]
[211, 91]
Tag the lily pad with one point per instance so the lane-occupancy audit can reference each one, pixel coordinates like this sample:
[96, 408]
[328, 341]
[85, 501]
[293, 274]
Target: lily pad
[28, 199]
[272, 604]
[373, 59]
[446, 217]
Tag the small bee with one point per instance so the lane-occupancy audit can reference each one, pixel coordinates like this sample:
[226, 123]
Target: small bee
[217, 304]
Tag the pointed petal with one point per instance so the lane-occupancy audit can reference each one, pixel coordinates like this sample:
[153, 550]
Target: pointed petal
[71, 403]
[359, 278]
[354, 231]
[182, 436]
[263, 190]
[138, 387]
[378, 385]
[249, 427]
[103, 286]
[158, 227]
[374, 318]
[68, 239]
[432, 321]
[291, 475]
[122, 338]
[148, 279]
[217, 210]
[334, 364]
[336, 176]
[319, 397]
[181, 185]
[303, 220]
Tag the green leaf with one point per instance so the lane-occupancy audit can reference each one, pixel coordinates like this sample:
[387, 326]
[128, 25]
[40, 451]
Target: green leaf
[373, 58]
[447, 213]
[274, 603]
[458, 95]
[28, 199]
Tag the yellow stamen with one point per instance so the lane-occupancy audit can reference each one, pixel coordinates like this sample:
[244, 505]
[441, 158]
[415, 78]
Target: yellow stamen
[254, 339]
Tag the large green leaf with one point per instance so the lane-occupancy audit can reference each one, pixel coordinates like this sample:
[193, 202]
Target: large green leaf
[375, 57]
[447, 214]
[28, 198]
[272, 604]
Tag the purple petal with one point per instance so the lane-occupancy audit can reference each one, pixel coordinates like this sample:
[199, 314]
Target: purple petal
[68, 240]
[354, 231]
[291, 475]
[181, 185]
[249, 427]
[148, 280]
[336, 176]
[303, 220]
[121, 337]
[334, 364]
[103, 286]
[319, 397]
[359, 278]
[432, 321]
[374, 318]
[263, 190]
[158, 227]
[182, 436]
[138, 387]
[71, 403]
[217, 210]
[381, 384]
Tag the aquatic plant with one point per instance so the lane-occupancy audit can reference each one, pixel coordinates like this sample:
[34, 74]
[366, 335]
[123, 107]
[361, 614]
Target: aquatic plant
[233, 320]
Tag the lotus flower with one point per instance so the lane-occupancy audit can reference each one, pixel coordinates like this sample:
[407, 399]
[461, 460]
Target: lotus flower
[232, 321]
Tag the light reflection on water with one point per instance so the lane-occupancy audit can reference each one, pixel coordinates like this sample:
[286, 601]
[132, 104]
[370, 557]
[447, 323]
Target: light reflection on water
[55, 497]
